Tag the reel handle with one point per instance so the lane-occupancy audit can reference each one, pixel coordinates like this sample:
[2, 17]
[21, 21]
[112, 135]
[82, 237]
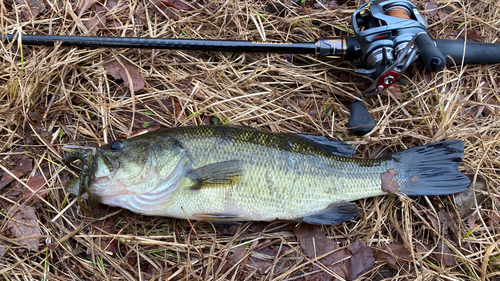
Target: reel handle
[433, 58]
[361, 122]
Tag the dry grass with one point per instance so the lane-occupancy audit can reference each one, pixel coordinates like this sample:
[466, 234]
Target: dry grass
[52, 96]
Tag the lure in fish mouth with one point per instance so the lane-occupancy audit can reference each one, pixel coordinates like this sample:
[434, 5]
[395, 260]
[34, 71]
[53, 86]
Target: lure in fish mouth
[226, 174]
[80, 187]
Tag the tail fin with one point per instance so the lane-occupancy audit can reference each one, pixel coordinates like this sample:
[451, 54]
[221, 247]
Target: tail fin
[432, 169]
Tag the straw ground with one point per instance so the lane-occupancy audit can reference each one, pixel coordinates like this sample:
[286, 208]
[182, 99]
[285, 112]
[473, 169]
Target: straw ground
[52, 96]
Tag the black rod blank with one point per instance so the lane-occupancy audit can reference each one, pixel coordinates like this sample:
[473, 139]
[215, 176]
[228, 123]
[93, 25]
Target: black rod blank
[173, 44]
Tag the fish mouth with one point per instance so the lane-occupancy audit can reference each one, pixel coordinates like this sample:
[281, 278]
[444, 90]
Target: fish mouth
[102, 167]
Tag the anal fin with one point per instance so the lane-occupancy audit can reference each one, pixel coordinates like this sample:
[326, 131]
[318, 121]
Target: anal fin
[336, 213]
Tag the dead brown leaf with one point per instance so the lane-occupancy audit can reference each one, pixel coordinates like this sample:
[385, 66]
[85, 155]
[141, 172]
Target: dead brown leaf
[111, 4]
[98, 21]
[32, 8]
[392, 253]
[433, 220]
[397, 92]
[448, 224]
[24, 164]
[23, 224]
[431, 10]
[37, 183]
[469, 34]
[85, 6]
[494, 220]
[445, 255]
[471, 221]
[165, 10]
[179, 5]
[2, 248]
[361, 261]
[119, 68]
[261, 263]
[179, 111]
[442, 252]
[314, 243]
[105, 228]
[234, 259]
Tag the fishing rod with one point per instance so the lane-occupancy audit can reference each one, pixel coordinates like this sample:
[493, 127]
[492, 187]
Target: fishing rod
[389, 36]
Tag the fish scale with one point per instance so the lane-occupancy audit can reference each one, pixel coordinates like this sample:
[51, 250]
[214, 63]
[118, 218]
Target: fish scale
[305, 194]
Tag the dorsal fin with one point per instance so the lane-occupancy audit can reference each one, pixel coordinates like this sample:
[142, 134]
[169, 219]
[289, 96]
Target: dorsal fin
[327, 144]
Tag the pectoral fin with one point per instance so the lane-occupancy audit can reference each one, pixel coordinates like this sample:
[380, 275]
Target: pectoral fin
[336, 213]
[216, 174]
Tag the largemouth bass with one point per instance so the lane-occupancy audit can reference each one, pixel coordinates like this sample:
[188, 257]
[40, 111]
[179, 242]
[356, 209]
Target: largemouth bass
[227, 174]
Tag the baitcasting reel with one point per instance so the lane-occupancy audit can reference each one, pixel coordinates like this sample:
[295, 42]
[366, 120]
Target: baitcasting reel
[391, 35]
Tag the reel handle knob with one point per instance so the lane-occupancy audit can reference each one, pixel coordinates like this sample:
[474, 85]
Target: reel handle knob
[433, 58]
[361, 122]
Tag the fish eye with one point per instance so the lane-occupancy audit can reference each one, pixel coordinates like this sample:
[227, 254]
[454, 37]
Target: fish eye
[116, 146]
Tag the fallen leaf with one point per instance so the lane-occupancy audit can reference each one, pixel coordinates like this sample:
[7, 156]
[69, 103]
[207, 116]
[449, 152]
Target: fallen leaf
[494, 219]
[23, 224]
[179, 111]
[397, 92]
[85, 5]
[448, 224]
[472, 35]
[228, 231]
[466, 200]
[444, 254]
[111, 4]
[119, 68]
[392, 253]
[186, 86]
[431, 10]
[237, 258]
[105, 228]
[238, 255]
[471, 221]
[32, 8]
[98, 21]
[37, 183]
[433, 220]
[361, 260]
[262, 259]
[314, 243]
[24, 164]
[179, 5]
[2, 248]
[165, 10]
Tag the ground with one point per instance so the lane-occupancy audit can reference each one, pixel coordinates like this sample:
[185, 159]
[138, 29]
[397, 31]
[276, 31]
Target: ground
[53, 96]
